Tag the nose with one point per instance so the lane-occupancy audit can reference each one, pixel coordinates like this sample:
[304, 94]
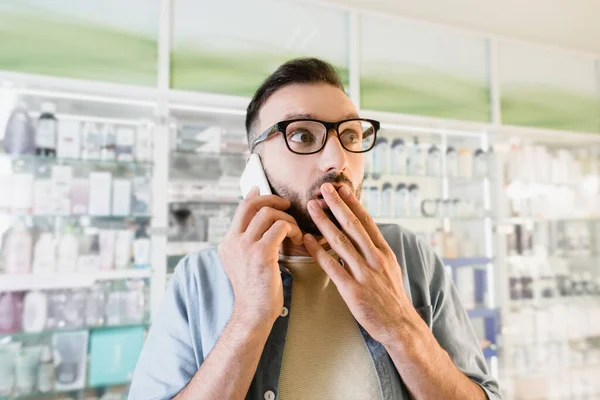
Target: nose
[334, 158]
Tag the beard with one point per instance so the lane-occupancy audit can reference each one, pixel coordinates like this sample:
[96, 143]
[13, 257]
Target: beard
[298, 209]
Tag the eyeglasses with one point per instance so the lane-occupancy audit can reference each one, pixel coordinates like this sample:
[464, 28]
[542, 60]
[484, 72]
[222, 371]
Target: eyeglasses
[308, 136]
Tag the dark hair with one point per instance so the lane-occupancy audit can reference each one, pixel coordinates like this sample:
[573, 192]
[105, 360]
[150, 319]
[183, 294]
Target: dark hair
[299, 70]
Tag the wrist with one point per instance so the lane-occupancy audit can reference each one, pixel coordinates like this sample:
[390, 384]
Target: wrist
[249, 319]
[409, 335]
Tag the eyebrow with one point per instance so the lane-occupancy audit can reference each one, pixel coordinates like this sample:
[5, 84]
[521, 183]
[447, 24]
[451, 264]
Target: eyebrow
[310, 116]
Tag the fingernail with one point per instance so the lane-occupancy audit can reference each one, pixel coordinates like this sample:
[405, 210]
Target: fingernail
[313, 205]
[344, 191]
[308, 237]
[328, 187]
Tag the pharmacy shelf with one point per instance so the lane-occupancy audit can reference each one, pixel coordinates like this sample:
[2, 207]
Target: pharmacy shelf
[31, 158]
[70, 393]
[184, 248]
[208, 200]
[25, 282]
[466, 262]
[23, 335]
[82, 218]
[401, 220]
[375, 177]
[537, 220]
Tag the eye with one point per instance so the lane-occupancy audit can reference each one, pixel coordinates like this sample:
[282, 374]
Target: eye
[350, 137]
[301, 136]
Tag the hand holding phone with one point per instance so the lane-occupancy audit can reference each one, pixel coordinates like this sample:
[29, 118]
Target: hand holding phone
[254, 175]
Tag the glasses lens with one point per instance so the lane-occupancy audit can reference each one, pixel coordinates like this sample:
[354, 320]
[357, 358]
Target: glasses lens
[357, 135]
[305, 136]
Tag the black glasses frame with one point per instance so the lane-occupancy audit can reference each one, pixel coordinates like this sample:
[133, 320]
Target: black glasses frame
[281, 127]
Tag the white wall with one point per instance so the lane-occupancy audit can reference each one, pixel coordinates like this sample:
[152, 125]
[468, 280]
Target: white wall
[566, 23]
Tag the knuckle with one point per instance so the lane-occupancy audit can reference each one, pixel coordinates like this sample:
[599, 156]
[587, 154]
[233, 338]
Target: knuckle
[354, 222]
[341, 239]
[333, 264]
[280, 224]
[378, 258]
[368, 219]
[264, 211]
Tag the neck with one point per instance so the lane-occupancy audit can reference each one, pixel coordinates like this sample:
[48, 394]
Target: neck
[288, 248]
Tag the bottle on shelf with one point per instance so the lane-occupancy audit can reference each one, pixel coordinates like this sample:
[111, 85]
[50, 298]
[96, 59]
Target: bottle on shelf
[451, 162]
[47, 131]
[19, 137]
[91, 141]
[416, 159]
[68, 251]
[398, 158]
[434, 162]
[17, 249]
[46, 373]
[141, 248]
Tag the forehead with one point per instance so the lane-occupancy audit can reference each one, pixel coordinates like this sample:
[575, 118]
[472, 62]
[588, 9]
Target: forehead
[319, 100]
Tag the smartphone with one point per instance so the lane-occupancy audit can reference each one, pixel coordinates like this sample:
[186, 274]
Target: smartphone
[254, 175]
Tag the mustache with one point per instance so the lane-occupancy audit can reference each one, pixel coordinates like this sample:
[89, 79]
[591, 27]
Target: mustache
[332, 178]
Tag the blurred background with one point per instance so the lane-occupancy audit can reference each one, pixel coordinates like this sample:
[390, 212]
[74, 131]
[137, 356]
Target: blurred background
[122, 129]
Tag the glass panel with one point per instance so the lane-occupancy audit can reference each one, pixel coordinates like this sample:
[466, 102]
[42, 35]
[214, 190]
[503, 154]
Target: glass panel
[415, 69]
[108, 40]
[548, 89]
[231, 46]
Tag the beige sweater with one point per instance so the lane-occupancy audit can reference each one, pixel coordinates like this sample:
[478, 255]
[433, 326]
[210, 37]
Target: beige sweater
[325, 356]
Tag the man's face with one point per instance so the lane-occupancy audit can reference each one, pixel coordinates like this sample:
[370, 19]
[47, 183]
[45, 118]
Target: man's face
[296, 177]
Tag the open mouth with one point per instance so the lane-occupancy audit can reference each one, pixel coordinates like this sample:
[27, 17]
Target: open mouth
[322, 203]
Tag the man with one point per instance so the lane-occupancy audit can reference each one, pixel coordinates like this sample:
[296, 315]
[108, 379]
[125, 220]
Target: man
[306, 298]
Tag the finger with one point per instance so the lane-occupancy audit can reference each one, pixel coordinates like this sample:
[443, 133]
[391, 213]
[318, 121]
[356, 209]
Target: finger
[250, 206]
[337, 239]
[363, 216]
[265, 218]
[351, 224]
[277, 233]
[253, 192]
[332, 267]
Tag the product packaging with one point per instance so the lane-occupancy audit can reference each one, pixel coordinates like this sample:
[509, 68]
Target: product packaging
[8, 361]
[71, 348]
[17, 249]
[44, 255]
[28, 360]
[47, 130]
[62, 178]
[100, 193]
[107, 248]
[121, 197]
[68, 251]
[143, 142]
[43, 197]
[123, 248]
[22, 193]
[91, 141]
[398, 158]
[141, 248]
[114, 354]
[11, 311]
[69, 139]
[387, 206]
[80, 196]
[141, 196]
[19, 137]
[109, 143]
[46, 375]
[35, 311]
[125, 143]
